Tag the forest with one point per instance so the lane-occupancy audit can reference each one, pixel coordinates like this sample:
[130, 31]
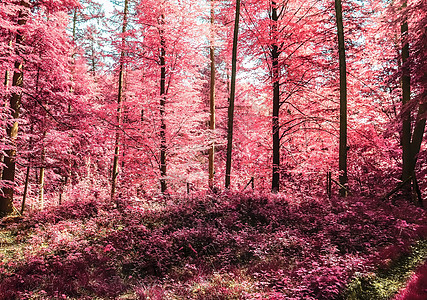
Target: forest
[213, 149]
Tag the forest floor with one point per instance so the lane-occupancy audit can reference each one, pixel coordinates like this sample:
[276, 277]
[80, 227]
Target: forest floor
[229, 246]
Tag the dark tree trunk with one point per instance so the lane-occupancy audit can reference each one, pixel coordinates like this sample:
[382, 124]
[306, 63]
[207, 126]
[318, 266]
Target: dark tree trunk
[42, 175]
[27, 181]
[6, 84]
[411, 138]
[343, 179]
[232, 96]
[6, 195]
[407, 155]
[212, 100]
[418, 132]
[163, 173]
[276, 105]
[115, 170]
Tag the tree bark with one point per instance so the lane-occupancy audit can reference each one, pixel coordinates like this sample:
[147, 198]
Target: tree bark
[42, 176]
[27, 174]
[232, 96]
[74, 27]
[115, 170]
[212, 99]
[418, 133]
[6, 77]
[74, 52]
[41, 187]
[276, 104]
[411, 138]
[6, 195]
[6, 84]
[407, 155]
[163, 173]
[343, 178]
[27, 181]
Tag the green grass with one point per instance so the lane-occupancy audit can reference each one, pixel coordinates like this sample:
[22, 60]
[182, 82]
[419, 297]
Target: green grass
[387, 282]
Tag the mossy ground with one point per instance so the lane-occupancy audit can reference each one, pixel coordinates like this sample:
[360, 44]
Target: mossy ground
[385, 283]
[236, 247]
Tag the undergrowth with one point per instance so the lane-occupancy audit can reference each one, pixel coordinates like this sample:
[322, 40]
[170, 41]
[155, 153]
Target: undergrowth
[388, 280]
[232, 246]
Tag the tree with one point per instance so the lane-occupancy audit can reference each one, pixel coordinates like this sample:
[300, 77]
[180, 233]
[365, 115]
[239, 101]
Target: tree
[412, 132]
[276, 101]
[115, 168]
[163, 120]
[212, 97]
[232, 96]
[6, 196]
[163, 173]
[280, 35]
[85, 33]
[343, 100]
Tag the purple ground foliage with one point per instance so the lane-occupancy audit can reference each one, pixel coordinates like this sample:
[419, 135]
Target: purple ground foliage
[232, 246]
[416, 288]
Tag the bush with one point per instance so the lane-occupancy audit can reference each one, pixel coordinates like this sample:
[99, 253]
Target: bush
[308, 249]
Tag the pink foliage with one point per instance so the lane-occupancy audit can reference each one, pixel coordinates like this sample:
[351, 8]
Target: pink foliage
[298, 245]
[307, 249]
[416, 288]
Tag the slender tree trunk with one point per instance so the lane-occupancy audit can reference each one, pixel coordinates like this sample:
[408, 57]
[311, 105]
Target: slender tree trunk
[27, 181]
[115, 170]
[67, 177]
[88, 170]
[36, 177]
[6, 84]
[212, 99]
[232, 96]
[41, 188]
[93, 62]
[74, 26]
[42, 175]
[27, 174]
[6, 77]
[407, 155]
[6, 195]
[418, 132]
[276, 104]
[74, 53]
[411, 138]
[343, 179]
[163, 173]
[61, 192]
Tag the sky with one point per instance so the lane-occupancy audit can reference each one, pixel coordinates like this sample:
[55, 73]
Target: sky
[108, 6]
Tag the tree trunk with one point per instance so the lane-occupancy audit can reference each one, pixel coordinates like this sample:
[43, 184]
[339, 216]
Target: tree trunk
[92, 58]
[68, 176]
[411, 139]
[276, 104]
[41, 186]
[232, 96]
[27, 174]
[407, 155]
[6, 76]
[27, 181]
[418, 133]
[163, 173]
[74, 27]
[212, 100]
[74, 52]
[6, 195]
[6, 84]
[61, 192]
[343, 179]
[42, 175]
[115, 170]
